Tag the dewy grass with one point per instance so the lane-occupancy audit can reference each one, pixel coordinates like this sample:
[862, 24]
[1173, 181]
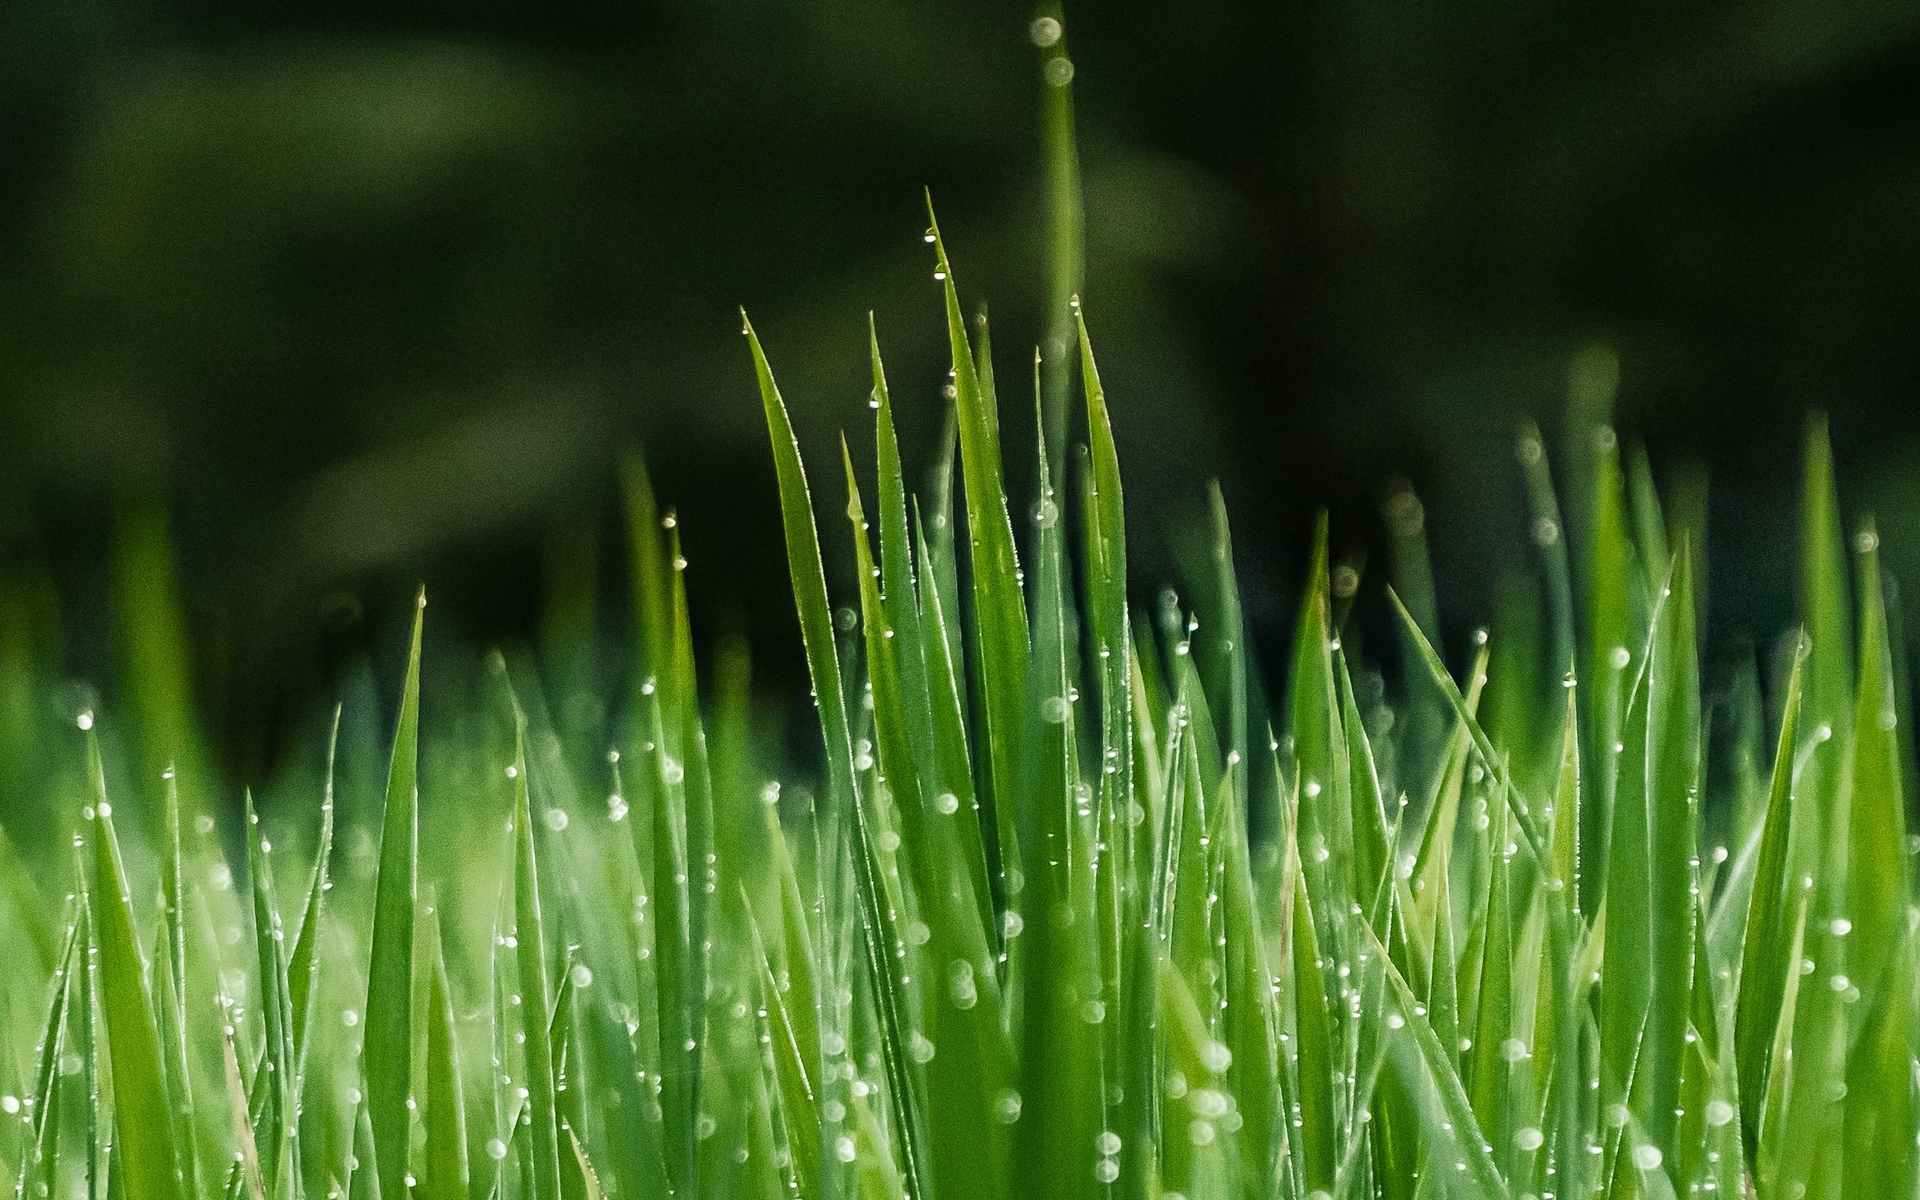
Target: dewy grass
[1021, 936]
[1064, 908]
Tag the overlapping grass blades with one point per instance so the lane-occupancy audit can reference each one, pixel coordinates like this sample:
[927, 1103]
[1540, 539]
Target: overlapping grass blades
[1070, 910]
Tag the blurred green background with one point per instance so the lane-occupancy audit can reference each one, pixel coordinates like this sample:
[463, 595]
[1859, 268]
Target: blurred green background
[362, 294]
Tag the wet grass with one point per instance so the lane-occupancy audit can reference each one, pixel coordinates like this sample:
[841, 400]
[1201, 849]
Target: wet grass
[1066, 903]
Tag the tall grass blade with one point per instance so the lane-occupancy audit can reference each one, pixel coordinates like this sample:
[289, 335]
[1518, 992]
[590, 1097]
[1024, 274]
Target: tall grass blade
[143, 1126]
[388, 1046]
[1000, 615]
[443, 1174]
[536, 1000]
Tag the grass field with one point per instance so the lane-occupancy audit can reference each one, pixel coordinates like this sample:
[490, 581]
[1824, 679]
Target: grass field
[1061, 901]
[1067, 907]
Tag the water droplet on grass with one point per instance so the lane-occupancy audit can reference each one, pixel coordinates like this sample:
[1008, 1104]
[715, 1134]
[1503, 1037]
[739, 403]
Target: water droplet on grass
[1006, 1106]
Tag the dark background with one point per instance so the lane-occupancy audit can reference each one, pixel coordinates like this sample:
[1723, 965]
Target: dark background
[369, 293]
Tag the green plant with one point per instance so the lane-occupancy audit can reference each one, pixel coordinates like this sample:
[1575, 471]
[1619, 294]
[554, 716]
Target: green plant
[1068, 912]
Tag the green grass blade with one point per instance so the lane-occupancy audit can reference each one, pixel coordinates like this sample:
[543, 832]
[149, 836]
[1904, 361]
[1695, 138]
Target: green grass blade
[1643, 500]
[1879, 883]
[1319, 747]
[275, 1129]
[536, 1000]
[1000, 614]
[1066, 216]
[245, 1178]
[651, 605]
[1549, 533]
[1485, 1067]
[591, 1181]
[902, 604]
[39, 1146]
[303, 966]
[1313, 1038]
[170, 991]
[1372, 847]
[1879, 891]
[953, 759]
[809, 577]
[1824, 605]
[388, 1046]
[684, 857]
[1249, 1015]
[1615, 615]
[363, 1183]
[1672, 783]
[569, 1082]
[443, 1173]
[1764, 973]
[1128, 864]
[142, 1123]
[92, 1098]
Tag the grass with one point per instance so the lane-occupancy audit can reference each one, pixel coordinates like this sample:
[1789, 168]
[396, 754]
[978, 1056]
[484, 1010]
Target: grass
[1066, 905]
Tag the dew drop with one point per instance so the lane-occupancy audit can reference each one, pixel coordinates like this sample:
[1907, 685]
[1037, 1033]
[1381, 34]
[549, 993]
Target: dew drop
[919, 1048]
[1216, 1056]
[1006, 1106]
